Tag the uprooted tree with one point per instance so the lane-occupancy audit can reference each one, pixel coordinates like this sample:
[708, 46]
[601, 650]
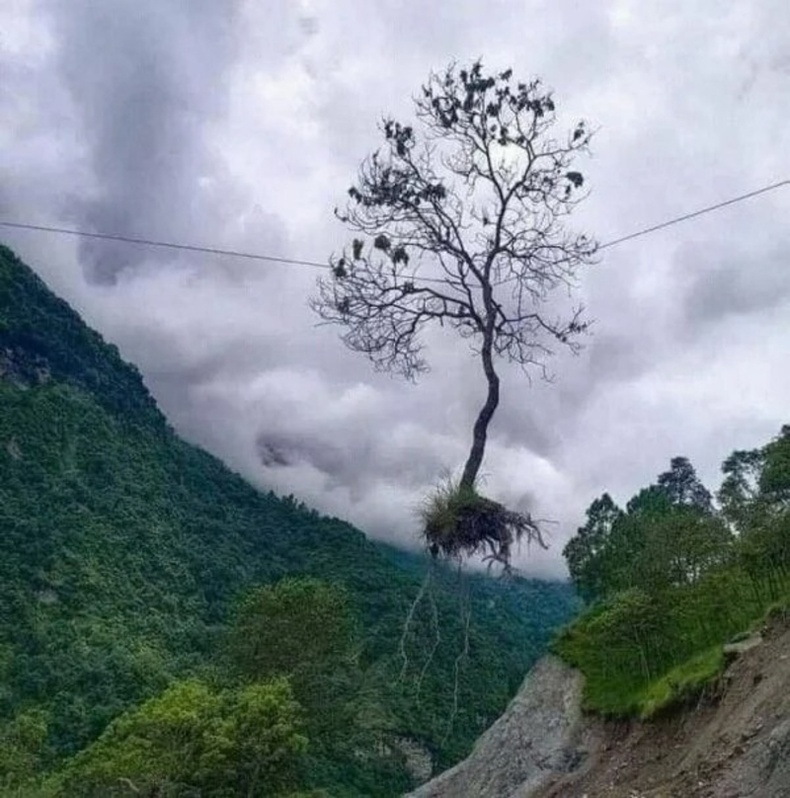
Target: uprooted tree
[460, 221]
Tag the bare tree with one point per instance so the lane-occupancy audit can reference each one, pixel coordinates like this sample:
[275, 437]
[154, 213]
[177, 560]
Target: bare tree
[461, 222]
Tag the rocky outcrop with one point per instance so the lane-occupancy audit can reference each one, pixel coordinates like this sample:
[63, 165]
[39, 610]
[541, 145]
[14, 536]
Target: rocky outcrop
[534, 741]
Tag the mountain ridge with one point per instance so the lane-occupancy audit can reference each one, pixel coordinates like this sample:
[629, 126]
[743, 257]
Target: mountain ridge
[42, 337]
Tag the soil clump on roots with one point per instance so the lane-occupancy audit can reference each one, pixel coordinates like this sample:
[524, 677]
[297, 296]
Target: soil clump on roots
[459, 522]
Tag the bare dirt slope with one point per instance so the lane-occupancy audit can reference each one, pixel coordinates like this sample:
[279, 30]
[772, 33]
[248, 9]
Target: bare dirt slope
[731, 745]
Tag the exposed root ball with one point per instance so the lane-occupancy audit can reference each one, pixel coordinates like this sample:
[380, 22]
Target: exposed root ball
[459, 522]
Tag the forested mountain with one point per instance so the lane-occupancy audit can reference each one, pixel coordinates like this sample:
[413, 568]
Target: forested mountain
[125, 555]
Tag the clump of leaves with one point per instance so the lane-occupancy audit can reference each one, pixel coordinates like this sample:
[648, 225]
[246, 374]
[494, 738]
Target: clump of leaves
[460, 522]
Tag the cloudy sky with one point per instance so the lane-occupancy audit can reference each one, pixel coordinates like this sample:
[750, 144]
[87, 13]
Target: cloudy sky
[239, 124]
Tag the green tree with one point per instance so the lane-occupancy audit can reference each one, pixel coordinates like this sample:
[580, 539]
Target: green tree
[680, 548]
[678, 579]
[755, 500]
[588, 552]
[301, 628]
[291, 628]
[775, 476]
[193, 739]
[23, 746]
[669, 535]
[683, 487]
[740, 489]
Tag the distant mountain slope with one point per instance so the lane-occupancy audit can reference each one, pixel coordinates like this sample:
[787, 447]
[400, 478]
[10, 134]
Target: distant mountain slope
[123, 548]
[42, 338]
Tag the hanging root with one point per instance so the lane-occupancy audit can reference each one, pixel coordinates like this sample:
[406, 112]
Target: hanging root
[426, 582]
[436, 640]
[466, 618]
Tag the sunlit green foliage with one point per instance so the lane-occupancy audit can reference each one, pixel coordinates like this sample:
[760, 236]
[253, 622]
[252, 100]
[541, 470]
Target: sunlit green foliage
[22, 747]
[193, 739]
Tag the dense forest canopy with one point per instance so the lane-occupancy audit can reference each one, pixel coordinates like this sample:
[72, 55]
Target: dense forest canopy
[138, 575]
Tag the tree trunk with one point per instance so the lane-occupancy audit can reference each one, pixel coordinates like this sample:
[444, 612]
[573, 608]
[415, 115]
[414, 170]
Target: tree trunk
[475, 459]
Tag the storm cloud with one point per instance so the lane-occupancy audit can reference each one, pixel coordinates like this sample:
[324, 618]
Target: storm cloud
[735, 282]
[240, 125]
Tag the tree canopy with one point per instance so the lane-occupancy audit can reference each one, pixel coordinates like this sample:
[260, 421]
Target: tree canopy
[193, 739]
[667, 535]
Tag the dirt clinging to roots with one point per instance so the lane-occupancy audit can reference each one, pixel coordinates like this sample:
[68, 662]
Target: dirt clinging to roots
[480, 527]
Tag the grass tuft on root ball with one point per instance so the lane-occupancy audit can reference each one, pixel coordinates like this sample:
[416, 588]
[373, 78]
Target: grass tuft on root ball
[460, 522]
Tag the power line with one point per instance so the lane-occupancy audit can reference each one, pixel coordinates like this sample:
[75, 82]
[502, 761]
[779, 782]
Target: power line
[694, 214]
[316, 264]
[183, 247]
[165, 244]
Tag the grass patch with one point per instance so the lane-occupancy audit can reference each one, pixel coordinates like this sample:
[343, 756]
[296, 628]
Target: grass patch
[778, 611]
[642, 654]
[683, 684]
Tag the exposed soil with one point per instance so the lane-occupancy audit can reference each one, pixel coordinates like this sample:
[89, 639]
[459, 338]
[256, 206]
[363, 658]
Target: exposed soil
[732, 743]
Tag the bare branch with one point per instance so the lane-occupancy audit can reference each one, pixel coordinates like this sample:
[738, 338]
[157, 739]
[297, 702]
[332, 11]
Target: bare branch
[474, 194]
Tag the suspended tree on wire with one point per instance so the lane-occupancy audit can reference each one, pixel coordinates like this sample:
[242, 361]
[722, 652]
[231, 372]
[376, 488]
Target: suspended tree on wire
[460, 220]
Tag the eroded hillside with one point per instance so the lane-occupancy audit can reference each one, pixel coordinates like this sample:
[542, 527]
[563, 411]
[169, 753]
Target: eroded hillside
[733, 742]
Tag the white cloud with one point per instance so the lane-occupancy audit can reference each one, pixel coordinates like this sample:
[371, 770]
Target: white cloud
[241, 124]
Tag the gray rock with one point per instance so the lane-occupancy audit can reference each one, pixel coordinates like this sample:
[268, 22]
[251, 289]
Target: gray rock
[535, 740]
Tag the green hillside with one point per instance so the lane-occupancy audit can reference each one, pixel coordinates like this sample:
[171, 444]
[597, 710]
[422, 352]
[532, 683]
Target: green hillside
[674, 576]
[124, 552]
